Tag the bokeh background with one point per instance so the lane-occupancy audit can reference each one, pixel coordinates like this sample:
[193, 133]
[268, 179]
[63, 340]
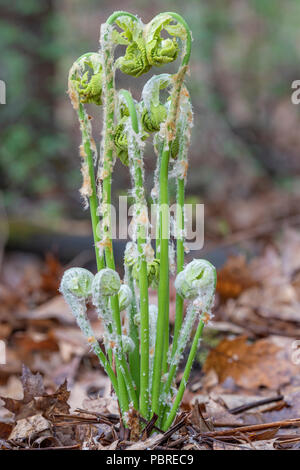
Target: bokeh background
[246, 141]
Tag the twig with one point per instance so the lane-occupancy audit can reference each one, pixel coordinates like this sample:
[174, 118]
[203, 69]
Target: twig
[254, 404]
[110, 416]
[172, 430]
[149, 427]
[255, 427]
[154, 427]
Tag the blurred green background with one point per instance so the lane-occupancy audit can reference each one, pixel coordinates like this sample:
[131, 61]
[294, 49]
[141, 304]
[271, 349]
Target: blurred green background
[246, 140]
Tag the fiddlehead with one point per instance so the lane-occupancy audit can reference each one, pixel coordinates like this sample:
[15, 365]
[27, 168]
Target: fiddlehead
[196, 283]
[162, 343]
[154, 113]
[107, 46]
[197, 279]
[162, 51]
[85, 78]
[134, 62]
[180, 168]
[121, 132]
[145, 45]
[76, 287]
[125, 297]
[120, 140]
[107, 284]
[152, 272]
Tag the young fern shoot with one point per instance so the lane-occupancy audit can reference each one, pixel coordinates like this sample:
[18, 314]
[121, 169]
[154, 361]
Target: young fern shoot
[85, 86]
[136, 353]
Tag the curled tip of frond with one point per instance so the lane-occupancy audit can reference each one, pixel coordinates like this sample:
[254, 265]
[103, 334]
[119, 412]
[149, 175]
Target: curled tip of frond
[106, 283]
[121, 141]
[131, 254]
[197, 279]
[125, 297]
[151, 120]
[152, 272]
[128, 344]
[145, 45]
[125, 131]
[161, 51]
[86, 80]
[174, 147]
[78, 282]
[153, 112]
[134, 62]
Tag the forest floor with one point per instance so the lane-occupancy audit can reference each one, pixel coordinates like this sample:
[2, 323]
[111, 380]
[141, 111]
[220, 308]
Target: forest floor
[244, 391]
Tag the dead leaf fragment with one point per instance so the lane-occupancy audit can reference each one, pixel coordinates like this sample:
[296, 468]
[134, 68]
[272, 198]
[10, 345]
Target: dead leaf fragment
[261, 364]
[26, 427]
[234, 277]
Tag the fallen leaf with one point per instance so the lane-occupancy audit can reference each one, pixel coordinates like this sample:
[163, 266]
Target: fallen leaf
[35, 400]
[27, 426]
[105, 405]
[55, 308]
[32, 384]
[261, 364]
[234, 277]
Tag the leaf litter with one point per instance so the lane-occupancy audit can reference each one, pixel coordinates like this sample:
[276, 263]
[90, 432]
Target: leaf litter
[244, 393]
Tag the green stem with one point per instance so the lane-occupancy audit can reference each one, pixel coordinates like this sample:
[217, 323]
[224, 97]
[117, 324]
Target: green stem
[106, 366]
[144, 333]
[180, 259]
[162, 337]
[93, 198]
[114, 16]
[135, 158]
[185, 377]
[163, 288]
[134, 356]
[109, 113]
[183, 339]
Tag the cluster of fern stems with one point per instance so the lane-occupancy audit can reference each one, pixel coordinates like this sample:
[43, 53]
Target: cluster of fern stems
[137, 353]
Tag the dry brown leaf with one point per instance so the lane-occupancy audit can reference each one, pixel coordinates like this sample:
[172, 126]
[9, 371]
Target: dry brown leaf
[29, 342]
[92, 384]
[218, 413]
[51, 274]
[105, 405]
[5, 429]
[35, 400]
[33, 385]
[55, 308]
[234, 277]
[26, 427]
[147, 444]
[261, 364]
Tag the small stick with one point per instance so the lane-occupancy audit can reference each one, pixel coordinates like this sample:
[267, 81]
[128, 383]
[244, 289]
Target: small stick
[254, 404]
[256, 427]
[149, 426]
